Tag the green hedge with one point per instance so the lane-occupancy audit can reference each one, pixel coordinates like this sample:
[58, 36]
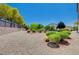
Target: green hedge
[57, 36]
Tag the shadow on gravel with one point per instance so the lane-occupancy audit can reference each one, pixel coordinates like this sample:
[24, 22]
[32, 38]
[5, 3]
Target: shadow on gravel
[64, 43]
[53, 45]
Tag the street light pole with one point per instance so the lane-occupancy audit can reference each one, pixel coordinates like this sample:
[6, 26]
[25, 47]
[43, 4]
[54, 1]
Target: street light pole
[78, 17]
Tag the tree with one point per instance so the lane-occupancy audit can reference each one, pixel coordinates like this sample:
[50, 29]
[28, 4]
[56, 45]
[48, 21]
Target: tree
[49, 28]
[40, 26]
[76, 23]
[25, 26]
[11, 14]
[75, 27]
[61, 25]
[36, 27]
[5, 9]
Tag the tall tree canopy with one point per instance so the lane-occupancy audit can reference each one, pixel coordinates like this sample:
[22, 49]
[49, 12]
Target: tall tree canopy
[11, 14]
[36, 27]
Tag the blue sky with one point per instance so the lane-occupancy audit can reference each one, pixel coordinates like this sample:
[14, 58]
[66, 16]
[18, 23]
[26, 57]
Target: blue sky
[46, 13]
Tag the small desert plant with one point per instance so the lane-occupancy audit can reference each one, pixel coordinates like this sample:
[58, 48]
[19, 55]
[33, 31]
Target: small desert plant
[54, 38]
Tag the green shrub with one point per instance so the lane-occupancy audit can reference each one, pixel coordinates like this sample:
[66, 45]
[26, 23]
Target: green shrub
[63, 35]
[49, 28]
[36, 27]
[40, 30]
[61, 25]
[50, 32]
[54, 38]
[69, 32]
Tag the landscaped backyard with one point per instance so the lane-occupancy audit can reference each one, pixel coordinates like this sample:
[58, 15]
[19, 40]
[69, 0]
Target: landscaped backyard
[34, 43]
[17, 37]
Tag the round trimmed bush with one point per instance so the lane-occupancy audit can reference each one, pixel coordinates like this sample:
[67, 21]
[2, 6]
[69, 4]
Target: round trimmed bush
[54, 38]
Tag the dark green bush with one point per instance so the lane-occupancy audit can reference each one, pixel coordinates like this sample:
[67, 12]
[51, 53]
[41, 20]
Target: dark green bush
[54, 38]
[61, 25]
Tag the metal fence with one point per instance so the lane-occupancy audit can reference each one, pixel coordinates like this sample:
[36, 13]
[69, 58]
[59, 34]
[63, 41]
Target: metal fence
[6, 23]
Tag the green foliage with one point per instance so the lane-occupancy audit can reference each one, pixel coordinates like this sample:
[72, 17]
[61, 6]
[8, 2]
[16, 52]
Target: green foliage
[11, 14]
[68, 32]
[75, 27]
[50, 32]
[76, 23]
[49, 28]
[63, 35]
[61, 25]
[40, 26]
[25, 26]
[54, 38]
[57, 36]
[36, 27]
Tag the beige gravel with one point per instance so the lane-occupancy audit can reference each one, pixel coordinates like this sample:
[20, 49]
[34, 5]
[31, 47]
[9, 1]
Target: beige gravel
[23, 43]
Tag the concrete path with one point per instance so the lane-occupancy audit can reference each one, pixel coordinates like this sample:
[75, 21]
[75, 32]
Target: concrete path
[22, 43]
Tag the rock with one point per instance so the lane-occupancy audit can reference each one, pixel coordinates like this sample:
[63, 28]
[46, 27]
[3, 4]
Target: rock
[52, 45]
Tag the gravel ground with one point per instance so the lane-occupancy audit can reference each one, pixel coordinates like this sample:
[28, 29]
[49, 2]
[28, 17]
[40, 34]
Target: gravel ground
[23, 43]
